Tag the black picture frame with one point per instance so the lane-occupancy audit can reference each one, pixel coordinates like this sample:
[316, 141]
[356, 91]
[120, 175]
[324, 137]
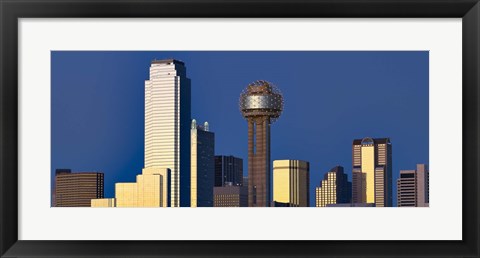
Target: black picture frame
[12, 10]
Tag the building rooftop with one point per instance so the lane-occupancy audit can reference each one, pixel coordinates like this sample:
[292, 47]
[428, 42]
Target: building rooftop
[62, 171]
[166, 61]
[375, 140]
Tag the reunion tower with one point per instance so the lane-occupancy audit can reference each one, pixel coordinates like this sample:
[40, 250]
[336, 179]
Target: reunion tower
[261, 103]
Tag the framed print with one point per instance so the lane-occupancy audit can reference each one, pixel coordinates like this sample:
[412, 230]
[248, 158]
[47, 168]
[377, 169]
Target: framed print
[224, 128]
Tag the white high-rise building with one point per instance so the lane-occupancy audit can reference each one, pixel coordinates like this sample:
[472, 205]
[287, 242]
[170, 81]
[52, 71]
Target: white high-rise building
[167, 125]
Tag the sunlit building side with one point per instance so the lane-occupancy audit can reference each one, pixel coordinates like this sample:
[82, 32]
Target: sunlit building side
[151, 189]
[291, 183]
[103, 203]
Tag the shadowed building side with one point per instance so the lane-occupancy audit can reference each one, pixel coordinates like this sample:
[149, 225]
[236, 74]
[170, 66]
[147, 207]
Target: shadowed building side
[228, 169]
[230, 196]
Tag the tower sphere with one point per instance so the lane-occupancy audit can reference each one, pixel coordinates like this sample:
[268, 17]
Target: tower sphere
[261, 99]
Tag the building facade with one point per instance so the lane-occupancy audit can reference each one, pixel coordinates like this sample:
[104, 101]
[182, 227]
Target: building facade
[334, 188]
[245, 181]
[202, 165]
[291, 183]
[361, 205]
[151, 189]
[77, 189]
[372, 171]
[413, 187]
[167, 125]
[103, 203]
[126, 195]
[230, 196]
[261, 103]
[228, 169]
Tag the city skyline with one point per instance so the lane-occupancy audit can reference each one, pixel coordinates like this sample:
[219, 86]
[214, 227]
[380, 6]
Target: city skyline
[418, 126]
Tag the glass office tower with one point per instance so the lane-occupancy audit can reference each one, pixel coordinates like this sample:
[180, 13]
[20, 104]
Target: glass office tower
[202, 165]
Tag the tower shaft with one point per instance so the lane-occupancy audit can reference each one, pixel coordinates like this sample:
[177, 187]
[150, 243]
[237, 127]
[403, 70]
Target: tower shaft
[259, 162]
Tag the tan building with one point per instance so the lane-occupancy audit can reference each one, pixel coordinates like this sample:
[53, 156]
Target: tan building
[291, 183]
[103, 203]
[372, 171]
[77, 189]
[150, 190]
[413, 187]
[126, 194]
[230, 196]
[334, 188]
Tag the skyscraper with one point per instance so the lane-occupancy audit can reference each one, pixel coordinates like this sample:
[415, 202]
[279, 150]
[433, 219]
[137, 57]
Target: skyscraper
[291, 183]
[334, 188]
[372, 171]
[413, 187]
[261, 103]
[167, 125]
[228, 169]
[202, 165]
[77, 189]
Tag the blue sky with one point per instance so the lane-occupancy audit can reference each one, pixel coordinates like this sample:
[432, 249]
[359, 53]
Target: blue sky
[330, 97]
